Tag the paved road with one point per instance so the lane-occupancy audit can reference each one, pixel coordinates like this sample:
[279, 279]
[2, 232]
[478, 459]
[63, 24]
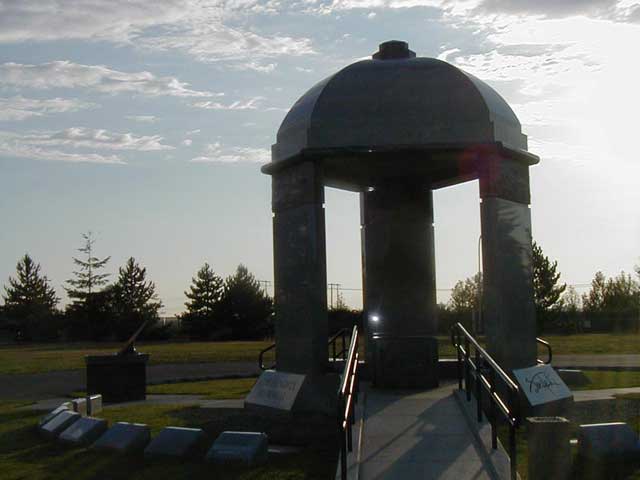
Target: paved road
[630, 361]
[56, 384]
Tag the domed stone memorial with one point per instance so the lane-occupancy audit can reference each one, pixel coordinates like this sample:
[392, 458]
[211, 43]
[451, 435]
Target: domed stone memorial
[394, 128]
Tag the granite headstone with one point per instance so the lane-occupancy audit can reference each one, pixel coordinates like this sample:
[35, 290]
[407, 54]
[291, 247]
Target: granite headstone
[62, 408]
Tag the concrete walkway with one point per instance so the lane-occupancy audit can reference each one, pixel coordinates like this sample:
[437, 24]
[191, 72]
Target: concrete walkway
[423, 435]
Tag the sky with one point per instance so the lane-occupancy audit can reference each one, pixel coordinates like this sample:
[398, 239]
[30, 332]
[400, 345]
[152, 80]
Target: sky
[147, 123]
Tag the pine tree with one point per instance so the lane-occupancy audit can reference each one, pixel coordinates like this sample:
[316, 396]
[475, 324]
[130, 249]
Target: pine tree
[88, 281]
[203, 316]
[134, 299]
[30, 301]
[90, 313]
[547, 291]
[246, 307]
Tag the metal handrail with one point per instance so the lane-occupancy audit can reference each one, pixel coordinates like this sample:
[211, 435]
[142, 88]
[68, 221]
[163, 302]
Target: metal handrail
[261, 358]
[347, 398]
[486, 374]
[549, 351]
[332, 342]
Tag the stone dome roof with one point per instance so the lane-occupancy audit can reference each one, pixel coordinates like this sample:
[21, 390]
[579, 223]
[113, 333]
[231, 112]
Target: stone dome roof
[397, 99]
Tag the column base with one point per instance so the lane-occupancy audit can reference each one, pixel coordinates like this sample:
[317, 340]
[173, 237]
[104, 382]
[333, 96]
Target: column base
[405, 362]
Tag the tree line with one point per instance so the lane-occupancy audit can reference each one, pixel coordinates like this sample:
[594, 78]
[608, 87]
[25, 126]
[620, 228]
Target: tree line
[610, 304]
[232, 308]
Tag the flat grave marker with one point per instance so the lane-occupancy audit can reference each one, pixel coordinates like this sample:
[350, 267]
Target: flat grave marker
[174, 442]
[250, 448]
[62, 408]
[124, 437]
[59, 423]
[84, 431]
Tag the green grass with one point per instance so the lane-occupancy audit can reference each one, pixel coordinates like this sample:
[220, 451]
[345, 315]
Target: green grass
[18, 359]
[601, 379]
[234, 388]
[25, 455]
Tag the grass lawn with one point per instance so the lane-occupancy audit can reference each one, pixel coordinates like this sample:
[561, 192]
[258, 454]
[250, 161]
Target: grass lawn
[17, 359]
[24, 454]
[608, 379]
[70, 356]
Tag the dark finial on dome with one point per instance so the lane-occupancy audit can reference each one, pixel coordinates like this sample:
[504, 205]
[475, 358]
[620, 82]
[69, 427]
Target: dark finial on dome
[394, 50]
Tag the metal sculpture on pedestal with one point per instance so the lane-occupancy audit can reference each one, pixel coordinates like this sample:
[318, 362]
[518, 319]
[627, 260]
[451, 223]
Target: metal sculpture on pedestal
[394, 128]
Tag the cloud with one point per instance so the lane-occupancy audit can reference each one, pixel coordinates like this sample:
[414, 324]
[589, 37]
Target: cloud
[79, 137]
[216, 153]
[142, 118]
[208, 30]
[251, 104]
[66, 74]
[14, 146]
[187, 142]
[551, 8]
[20, 108]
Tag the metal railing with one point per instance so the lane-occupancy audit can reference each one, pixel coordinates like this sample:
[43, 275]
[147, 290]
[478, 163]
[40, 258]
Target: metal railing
[546, 344]
[499, 389]
[332, 343]
[347, 398]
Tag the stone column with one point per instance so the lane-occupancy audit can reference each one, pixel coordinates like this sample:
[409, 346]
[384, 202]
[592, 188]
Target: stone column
[548, 440]
[300, 270]
[508, 307]
[398, 267]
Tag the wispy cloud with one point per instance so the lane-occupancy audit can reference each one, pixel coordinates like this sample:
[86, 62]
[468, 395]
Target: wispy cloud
[207, 30]
[20, 108]
[142, 118]
[16, 146]
[216, 153]
[66, 74]
[251, 104]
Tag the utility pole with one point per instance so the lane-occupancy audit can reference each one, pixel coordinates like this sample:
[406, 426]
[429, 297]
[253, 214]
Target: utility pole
[331, 287]
[265, 284]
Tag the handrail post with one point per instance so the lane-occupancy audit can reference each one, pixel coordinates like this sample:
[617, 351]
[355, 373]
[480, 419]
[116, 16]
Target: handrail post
[467, 373]
[478, 385]
[459, 365]
[344, 344]
[333, 348]
[494, 413]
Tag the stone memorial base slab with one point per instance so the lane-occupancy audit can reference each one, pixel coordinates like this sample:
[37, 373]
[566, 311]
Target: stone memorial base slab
[59, 423]
[84, 431]
[174, 442]
[544, 393]
[249, 448]
[124, 437]
[405, 362]
[62, 408]
[118, 378]
[278, 392]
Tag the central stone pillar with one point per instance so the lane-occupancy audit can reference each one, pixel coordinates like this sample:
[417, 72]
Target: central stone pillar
[508, 305]
[398, 266]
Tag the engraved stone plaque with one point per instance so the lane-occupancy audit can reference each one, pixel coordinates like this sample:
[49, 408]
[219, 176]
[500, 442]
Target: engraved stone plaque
[277, 390]
[541, 384]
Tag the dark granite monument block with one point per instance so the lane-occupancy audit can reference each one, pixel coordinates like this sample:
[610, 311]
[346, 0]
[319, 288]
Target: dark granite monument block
[59, 423]
[118, 378]
[174, 442]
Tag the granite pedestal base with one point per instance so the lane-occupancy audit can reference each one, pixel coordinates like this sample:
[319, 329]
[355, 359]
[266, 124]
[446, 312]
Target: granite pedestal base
[405, 362]
[118, 378]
